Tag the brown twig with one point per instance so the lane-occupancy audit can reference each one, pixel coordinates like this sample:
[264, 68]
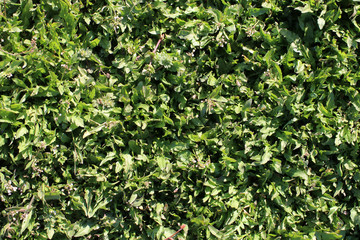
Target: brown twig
[162, 36]
[5, 8]
[31, 50]
[181, 228]
[158, 43]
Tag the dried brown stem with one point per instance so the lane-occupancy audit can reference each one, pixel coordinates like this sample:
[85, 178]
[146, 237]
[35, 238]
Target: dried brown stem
[158, 43]
[162, 36]
[181, 228]
[5, 8]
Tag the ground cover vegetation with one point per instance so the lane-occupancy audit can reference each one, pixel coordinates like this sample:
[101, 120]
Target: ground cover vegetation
[128, 119]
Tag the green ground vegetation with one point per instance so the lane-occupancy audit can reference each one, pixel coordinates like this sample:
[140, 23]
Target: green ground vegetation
[126, 119]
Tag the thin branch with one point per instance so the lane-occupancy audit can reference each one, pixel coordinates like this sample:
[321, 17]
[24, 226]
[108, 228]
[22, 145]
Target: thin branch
[181, 228]
[162, 36]
[5, 8]
[158, 43]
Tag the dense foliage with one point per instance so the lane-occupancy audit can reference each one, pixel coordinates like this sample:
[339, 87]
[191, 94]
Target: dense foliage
[126, 119]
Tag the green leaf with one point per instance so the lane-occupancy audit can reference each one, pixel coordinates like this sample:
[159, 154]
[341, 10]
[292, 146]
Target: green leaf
[291, 37]
[332, 211]
[94, 42]
[247, 105]
[128, 162]
[100, 204]
[266, 157]
[2, 141]
[324, 111]
[278, 71]
[215, 92]
[19, 82]
[161, 161]
[305, 9]
[355, 216]
[301, 174]
[78, 121]
[25, 13]
[26, 221]
[258, 11]
[21, 132]
[49, 196]
[321, 23]
[50, 232]
[168, 120]
[93, 131]
[215, 232]
[134, 146]
[83, 229]
[110, 156]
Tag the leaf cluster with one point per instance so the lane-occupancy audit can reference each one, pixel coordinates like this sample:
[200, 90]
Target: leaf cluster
[127, 119]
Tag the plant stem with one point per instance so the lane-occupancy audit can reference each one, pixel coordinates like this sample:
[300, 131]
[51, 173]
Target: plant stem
[181, 228]
[162, 36]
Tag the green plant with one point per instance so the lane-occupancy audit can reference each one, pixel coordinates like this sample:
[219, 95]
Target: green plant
[129, 119]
